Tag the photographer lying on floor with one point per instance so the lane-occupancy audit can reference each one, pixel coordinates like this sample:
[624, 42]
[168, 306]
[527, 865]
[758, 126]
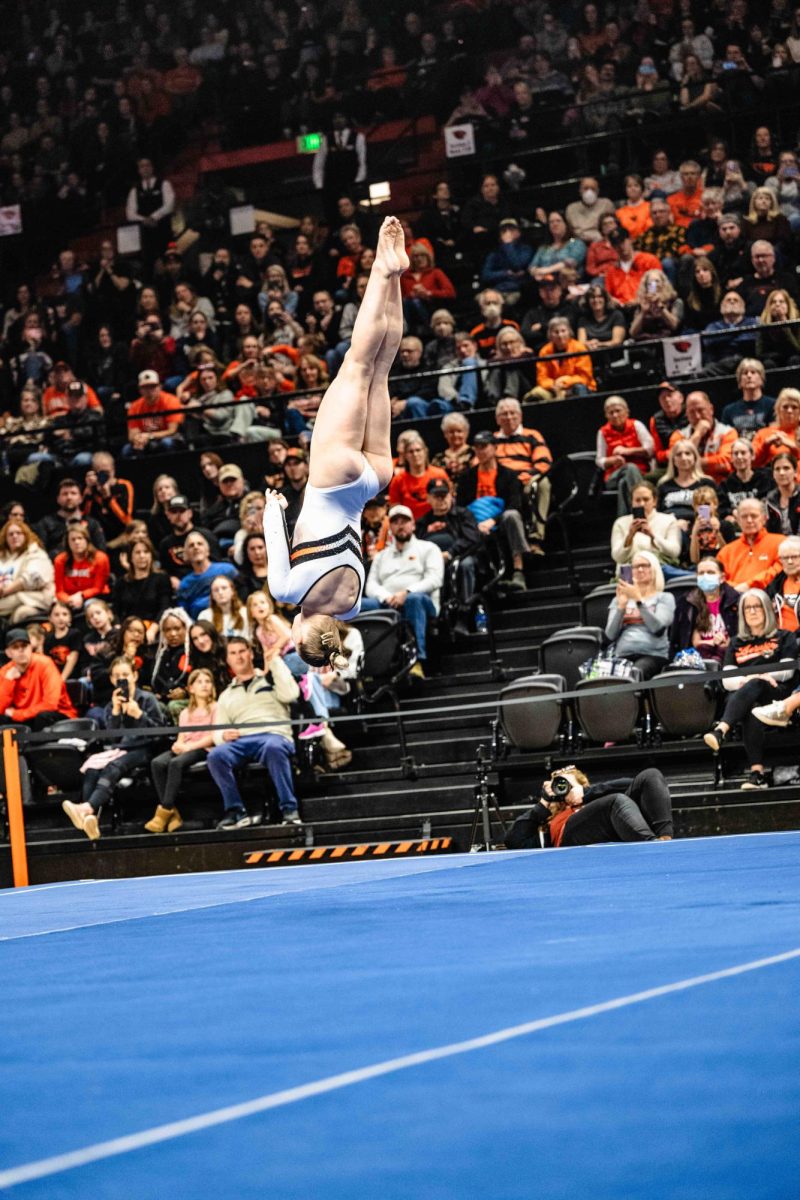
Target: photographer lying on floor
[578, 813]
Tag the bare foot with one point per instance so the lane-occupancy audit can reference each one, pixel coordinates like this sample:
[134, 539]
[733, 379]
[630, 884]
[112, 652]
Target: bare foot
[390, 254]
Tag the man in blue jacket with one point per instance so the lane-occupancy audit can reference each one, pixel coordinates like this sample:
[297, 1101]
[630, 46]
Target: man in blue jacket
[506, 267]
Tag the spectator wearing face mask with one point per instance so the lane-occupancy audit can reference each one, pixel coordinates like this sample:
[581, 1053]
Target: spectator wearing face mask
[583, 216]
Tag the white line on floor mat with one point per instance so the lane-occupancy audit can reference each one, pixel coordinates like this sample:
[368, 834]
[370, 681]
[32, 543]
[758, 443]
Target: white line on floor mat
[236, 1112]
[445, 864]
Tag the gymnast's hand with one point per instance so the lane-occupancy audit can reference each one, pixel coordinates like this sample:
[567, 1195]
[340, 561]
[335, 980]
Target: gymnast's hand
[273, 497]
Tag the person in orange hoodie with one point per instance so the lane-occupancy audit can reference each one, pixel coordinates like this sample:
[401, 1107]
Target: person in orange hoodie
[32, 691]
[560, 377]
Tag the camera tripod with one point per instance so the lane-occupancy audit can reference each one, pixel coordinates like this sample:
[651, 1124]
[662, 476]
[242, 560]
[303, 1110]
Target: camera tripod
[483, 799]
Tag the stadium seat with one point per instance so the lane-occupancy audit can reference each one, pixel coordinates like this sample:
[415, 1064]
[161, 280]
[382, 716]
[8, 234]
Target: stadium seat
[534, 726]
[563, 652]
[58, 763]
[389, 654]
[688, 708]
[603, 718]
[594, 605]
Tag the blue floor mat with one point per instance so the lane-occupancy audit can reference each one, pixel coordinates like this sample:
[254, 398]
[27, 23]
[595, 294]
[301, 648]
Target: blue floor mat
[131, 1004]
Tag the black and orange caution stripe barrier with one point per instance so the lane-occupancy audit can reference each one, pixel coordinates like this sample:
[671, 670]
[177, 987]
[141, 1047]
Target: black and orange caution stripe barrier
[361, 850]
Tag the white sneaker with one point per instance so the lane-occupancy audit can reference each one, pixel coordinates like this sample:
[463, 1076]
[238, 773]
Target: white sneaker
[772, 714]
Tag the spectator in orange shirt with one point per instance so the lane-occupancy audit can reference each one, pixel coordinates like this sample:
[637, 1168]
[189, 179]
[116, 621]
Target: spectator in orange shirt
[81, 571]
[782, 437]
[410, 486]
[526, 453]
[157, 416]
[751, 560]
[32, 691]
[712, 440]
[54, 397]
[635, 215]
[622, 280]
[687, 203]
[560, 377]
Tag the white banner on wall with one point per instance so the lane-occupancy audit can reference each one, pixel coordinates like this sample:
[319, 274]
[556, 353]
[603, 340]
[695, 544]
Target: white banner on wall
[459, 140]
[683, 355]
[10, 220]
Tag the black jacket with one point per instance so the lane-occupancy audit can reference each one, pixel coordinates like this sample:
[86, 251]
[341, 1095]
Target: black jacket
[86, 432]
[461, 535]
[524, 833]
[685, 618]
[508, 487]
[772, 501]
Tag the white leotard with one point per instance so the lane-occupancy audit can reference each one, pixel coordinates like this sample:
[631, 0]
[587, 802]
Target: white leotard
[334, 514]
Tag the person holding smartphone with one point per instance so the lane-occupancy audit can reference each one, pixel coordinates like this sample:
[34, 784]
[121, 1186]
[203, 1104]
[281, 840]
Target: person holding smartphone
[645, 529]
[640, 616]
[106, 498]
[129, 709]
[706, 538]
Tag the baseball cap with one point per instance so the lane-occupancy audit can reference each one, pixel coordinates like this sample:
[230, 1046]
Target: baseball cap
[665, 386]
[617, 236]
[439, 486]
[230, 471]
[177, 504]
[17, 635]
[509, 223]
[483, 438]
[146, 377]
[75, 388]
[401, 510]
[548, 279]
[295, 453]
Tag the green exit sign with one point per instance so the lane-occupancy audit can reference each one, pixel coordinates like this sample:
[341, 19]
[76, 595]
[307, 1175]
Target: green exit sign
[309, 143]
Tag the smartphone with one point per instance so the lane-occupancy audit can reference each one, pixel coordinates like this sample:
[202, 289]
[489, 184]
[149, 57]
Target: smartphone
[638, 512]
[626, 573]
[122, 688]
[103, 477]
[704, 512]
[730, 165]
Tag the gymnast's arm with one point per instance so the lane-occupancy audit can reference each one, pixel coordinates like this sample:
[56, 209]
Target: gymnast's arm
[276, 536]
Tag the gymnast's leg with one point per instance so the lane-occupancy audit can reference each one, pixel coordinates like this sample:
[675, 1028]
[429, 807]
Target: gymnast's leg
[341, 433]
[377, 440]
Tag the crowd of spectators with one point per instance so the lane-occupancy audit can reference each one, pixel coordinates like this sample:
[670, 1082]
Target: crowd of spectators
[118, 358]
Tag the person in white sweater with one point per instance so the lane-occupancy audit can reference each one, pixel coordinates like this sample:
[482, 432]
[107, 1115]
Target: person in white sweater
[646, 529]
[408, 576]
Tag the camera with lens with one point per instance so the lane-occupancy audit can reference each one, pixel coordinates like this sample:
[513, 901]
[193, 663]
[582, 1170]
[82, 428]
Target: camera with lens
[561, 786]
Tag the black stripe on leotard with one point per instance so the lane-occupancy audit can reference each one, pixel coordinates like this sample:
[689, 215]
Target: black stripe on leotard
[346, 539]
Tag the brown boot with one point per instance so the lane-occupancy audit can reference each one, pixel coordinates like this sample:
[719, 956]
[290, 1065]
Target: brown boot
[160, 820]
[175, 820]
[336, 753]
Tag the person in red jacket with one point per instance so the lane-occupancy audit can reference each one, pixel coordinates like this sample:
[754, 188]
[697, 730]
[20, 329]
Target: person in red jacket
[32, 691]
[622, 281]
[423, 287]
[410, 487]
[82, 571]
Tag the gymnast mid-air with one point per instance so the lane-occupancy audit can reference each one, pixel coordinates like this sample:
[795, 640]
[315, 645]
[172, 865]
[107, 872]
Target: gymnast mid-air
[321, 569]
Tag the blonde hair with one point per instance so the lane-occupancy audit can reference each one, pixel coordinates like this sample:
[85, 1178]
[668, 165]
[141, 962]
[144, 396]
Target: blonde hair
[320, 642]
[671, 472]
[766, 317]
[664, 290]
[787, 393]
[774, 210]
[705, 495]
